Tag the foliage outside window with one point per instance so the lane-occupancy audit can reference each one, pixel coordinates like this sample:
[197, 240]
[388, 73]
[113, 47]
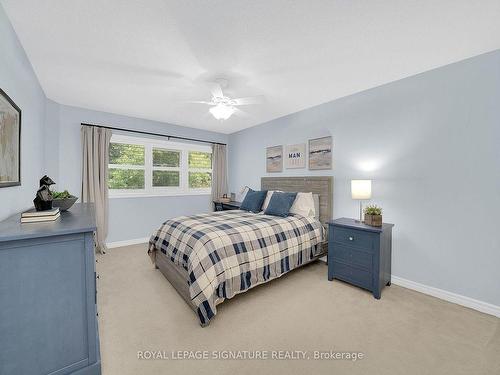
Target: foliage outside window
[200, 170]
[166, 167]
[126, 166]
[141, 166]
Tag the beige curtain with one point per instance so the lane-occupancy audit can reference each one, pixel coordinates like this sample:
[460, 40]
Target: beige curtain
[95, 146]
[219, 171]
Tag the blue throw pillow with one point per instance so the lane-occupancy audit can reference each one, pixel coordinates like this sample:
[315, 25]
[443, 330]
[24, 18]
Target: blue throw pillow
[253, 200]
[280, 204]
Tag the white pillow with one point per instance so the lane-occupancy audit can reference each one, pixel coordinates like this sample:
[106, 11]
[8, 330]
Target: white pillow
[303, 205]
[316, 205]
[267, 200]
[242, 194]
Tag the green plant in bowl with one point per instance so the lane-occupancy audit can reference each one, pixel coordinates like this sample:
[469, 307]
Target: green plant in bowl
[373, 215]
[373, 209]
[63, 199]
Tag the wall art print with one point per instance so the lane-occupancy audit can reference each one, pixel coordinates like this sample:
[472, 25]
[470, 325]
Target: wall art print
[274, 159]
[10, 142]
[295, 156]
[320, 153]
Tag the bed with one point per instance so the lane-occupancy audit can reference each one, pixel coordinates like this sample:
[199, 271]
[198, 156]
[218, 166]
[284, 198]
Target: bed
[211, 257]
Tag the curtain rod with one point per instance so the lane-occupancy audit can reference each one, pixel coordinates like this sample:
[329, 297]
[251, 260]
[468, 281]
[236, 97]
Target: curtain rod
[155, 134]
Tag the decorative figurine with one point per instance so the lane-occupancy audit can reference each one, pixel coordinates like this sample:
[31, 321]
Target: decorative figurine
[43, 199]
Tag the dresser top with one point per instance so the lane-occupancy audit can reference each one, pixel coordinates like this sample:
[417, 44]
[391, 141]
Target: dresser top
[78, 219]
[351, 223]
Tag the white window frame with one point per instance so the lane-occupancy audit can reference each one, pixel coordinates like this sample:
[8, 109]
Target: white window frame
[149, 190]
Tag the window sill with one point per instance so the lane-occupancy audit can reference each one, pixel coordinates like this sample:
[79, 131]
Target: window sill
[152, 195]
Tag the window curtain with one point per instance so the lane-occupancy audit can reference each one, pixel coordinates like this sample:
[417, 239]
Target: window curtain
[95, 146]
[219, 171]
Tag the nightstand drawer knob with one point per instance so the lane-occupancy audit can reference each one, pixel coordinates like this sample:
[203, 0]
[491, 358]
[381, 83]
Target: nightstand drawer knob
[351, 238]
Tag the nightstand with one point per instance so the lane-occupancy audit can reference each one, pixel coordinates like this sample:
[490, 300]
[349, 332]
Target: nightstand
[224, 206]
[360, 254]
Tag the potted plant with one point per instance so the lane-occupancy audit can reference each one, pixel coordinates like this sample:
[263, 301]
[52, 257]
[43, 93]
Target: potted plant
[373, 215]
[64, 200]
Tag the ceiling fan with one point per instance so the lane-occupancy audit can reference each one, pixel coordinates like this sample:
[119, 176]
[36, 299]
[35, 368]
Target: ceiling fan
[223, 107]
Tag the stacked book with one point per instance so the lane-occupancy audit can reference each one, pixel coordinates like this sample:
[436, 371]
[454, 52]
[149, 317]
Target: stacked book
[34, 216]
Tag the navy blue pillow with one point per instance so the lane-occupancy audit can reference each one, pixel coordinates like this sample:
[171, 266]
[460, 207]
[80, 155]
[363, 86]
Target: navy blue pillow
[253, 200]
[280, 204]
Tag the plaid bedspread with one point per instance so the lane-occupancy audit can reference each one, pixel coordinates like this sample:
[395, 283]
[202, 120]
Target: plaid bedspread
[228, 252]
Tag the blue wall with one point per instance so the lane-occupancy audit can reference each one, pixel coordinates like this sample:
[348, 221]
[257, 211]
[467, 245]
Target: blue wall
[129, 218]
[431, 145]
[19, 81]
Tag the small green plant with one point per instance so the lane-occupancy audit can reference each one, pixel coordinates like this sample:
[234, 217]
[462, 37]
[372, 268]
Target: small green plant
[61, 194]
[373, 209]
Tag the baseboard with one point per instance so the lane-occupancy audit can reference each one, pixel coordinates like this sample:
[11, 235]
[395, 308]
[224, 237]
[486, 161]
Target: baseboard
[474, 304]
[133, 241]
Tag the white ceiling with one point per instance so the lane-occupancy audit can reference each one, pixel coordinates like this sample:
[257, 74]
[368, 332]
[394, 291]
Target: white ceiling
[145, 58]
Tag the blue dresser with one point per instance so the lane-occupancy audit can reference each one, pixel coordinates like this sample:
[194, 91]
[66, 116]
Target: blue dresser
[360, 254]
[48, 322]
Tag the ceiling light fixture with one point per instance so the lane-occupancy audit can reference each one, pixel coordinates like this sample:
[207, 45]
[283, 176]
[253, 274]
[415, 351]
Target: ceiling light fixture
[222, 111]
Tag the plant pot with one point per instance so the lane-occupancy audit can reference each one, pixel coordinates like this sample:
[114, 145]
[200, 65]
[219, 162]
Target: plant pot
[65, 203]
[373, 220]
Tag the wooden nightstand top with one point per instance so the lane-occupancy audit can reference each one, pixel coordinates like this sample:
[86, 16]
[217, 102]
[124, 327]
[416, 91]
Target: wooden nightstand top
[351, 223]
[230, 203]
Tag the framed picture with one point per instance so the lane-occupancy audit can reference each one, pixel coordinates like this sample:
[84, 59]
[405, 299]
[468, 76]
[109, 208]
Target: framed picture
[274, 159]
[295, 156]
[320, 153]
[10, 142]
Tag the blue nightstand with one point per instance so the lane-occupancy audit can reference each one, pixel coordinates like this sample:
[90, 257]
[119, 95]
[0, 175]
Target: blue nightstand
[360, 254]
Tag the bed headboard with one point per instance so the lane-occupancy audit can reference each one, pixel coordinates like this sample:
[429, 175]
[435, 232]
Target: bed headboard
[321, 185]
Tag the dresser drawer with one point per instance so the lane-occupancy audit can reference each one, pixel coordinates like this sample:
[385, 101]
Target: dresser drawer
[352, 237]
[351, 256]
[352, 275]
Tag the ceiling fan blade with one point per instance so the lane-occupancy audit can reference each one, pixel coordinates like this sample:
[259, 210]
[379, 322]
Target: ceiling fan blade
[199, 102]
[250, 100]
[216, 91]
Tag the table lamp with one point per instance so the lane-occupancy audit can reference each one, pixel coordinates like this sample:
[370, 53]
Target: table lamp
[361, 190]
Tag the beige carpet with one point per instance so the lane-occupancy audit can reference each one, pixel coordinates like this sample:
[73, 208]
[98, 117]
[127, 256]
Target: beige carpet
[403, 333]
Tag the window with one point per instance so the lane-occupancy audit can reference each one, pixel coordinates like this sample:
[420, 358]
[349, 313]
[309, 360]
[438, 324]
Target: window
[200, 169]
[145, 167]
[126, 166]
[166, 167]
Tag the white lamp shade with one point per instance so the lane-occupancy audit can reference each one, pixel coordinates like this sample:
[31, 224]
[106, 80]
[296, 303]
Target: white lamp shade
[361, 189]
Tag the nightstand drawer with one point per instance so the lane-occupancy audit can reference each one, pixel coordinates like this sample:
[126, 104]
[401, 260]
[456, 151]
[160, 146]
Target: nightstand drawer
[352, 237]
[352, 275]
[353, 257]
